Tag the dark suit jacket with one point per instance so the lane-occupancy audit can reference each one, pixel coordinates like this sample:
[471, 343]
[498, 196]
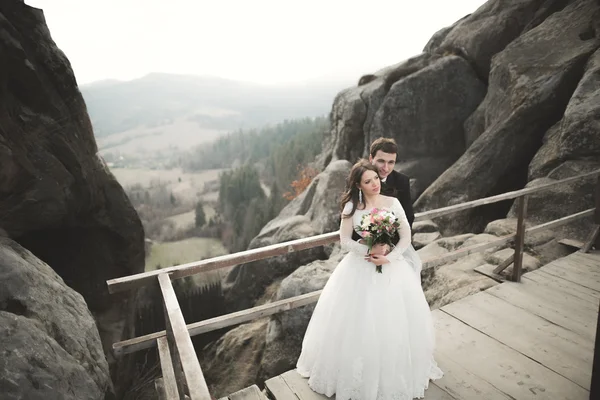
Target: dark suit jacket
[397, 185]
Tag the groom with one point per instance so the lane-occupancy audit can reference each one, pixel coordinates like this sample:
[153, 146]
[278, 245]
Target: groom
[382, 154]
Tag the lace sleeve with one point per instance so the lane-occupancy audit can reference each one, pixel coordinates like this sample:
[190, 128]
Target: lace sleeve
[404, 232]
[346, 229]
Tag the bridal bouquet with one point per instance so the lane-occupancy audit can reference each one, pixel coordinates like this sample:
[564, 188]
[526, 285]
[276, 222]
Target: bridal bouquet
[378, 227]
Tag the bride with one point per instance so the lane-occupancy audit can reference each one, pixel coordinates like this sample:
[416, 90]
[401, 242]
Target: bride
[371, 335]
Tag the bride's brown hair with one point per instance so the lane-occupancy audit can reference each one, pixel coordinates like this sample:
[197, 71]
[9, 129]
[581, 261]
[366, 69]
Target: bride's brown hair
[352, 183]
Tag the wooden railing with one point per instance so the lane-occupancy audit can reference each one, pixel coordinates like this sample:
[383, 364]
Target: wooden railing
[181, 370]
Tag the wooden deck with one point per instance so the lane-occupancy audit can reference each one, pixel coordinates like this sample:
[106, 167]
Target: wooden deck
[527, 340]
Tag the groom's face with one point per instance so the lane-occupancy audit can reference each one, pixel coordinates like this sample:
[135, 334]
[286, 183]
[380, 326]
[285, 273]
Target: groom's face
[384, 162]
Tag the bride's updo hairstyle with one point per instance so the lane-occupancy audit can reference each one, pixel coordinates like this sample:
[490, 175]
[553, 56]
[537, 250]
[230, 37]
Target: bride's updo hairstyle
[352, 184]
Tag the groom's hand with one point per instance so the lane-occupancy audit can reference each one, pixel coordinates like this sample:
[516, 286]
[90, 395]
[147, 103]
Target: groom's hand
[380, 249]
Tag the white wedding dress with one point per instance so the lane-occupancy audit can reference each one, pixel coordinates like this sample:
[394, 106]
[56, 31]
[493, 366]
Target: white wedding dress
[371, 335]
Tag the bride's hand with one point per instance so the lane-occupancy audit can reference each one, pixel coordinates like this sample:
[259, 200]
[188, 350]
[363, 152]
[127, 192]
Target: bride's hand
[378, 259]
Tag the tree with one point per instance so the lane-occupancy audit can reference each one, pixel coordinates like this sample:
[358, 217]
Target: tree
[305, 177]
[200, 215]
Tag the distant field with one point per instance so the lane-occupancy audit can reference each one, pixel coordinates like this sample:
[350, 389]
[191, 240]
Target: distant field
[177, 135]
[184, 185]
[183, 221]
[185, 251]
[131, 176]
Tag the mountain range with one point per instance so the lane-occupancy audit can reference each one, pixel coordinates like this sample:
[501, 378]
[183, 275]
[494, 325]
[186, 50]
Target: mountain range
[165, 111]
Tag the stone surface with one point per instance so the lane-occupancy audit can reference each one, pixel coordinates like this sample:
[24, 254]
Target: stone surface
[531, 82]
[57, 197]
[577, 135]
[423, 239]
[49, 341]
[488, 30]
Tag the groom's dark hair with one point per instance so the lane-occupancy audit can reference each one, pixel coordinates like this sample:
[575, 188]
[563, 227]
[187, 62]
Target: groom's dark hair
[387, 145]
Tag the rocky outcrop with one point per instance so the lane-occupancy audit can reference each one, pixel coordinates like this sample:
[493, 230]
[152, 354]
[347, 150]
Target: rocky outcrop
[49, 340]
[388, 106]
[57, 197]
[575, 136]
[232, 362]
[531, 83]
[314, 212]
[484, 33]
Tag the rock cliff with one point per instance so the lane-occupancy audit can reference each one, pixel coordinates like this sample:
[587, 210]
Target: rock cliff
[59, 202]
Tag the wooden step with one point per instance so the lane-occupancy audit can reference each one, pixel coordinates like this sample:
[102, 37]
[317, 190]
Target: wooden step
[291, 386]
[249, 393]
[575, 244]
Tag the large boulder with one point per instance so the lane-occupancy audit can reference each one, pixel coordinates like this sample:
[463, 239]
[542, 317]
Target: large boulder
[49, 341]
[315, 211]
[488, 30]
[422, 102]
[577, 135]
[232, 362]
[58, 198]
[531, 82]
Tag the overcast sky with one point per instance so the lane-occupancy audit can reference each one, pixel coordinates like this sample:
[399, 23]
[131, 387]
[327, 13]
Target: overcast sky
[265, 41]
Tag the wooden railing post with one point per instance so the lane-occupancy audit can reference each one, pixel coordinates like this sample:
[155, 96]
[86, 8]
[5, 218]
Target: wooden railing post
[597, 213]
[183, 350]
[170, 382]
[594, 238]
[520, 238]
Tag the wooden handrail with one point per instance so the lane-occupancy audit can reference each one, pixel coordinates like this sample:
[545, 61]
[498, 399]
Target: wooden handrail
[185, 355]
[439, 212]
[212, 324]
[228, 260]
[196, 267]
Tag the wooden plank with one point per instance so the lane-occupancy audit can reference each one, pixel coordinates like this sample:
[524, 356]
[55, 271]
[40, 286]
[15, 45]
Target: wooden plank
[574, 274]
[504, 264]
[228, 260]
[591, 239]
[212, 324]
[560, 222]
[176, 360]
[590, 260]
[576, 244]
[279, 389]
[555, 283]
[553, 306]
[488, 270]
[166, 366]
[504, 368]
[192, 372]
[299, 385]
[249, 393]
[434, 392]
[520, 239]
[462, 384]
[501, 197]
[551, 345]
[159, 385]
